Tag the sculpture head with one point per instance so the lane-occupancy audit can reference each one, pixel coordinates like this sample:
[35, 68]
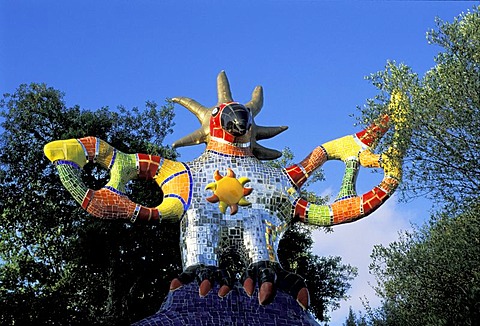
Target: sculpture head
[230, 121]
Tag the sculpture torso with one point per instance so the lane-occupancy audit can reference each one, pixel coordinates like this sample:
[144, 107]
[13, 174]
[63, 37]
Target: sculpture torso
[254, 231]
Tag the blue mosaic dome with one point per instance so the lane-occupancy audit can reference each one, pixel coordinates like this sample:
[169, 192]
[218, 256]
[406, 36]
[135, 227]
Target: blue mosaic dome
[185, 307]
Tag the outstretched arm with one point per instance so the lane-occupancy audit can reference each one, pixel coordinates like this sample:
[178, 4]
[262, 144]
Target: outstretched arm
[342, 149]
[355, 151]
[110, 202]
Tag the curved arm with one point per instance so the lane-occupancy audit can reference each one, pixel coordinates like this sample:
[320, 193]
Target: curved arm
[355, 151]
[339, 149]
[348, 207]
[110, 202]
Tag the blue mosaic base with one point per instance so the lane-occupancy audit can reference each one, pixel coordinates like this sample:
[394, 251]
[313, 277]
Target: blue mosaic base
[185, 307]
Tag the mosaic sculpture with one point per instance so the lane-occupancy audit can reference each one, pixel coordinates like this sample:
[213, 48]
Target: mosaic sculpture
[228, 200]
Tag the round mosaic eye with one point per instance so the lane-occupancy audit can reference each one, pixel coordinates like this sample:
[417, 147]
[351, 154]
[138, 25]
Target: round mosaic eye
[215, 111]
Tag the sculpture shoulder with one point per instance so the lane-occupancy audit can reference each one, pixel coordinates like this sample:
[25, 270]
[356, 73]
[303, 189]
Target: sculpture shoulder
[250, 167]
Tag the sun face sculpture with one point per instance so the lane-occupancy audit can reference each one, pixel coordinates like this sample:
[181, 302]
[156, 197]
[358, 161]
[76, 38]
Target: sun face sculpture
[229, 191]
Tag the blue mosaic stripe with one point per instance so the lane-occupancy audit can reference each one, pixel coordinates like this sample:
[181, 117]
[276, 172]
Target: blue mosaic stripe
[227, 155]
[173, 176]
[65, 162]
[135, 213]
[289, 178]
[359, 142]
[84, 149]
[114, 156]
[307, 211]
[97, 148]
[178, 197]
[160, 164]
[190, 186]
[345, 197]
[118, 192]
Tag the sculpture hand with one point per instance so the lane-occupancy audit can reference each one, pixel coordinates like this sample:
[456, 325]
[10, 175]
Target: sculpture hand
[270, 276]
[206, 276]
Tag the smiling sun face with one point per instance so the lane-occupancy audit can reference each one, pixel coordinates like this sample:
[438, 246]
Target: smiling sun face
[229, 191]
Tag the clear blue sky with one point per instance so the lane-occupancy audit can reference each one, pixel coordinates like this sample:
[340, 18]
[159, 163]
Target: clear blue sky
[310, 56]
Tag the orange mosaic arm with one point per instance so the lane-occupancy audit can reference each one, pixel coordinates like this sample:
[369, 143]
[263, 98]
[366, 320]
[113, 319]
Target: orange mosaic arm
[348, 206]
[110, 201]
[347, 209]
[356, 151]
[342, 148]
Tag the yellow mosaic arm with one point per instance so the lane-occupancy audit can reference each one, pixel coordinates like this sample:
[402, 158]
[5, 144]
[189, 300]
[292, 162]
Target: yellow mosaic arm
[355, 151]
[110, 202]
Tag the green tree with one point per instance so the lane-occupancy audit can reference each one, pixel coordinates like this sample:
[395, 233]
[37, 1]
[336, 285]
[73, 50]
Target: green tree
[430, 276]
[60, 266]
[444, 149]
[353, 320]
[350, 321]
[327, 278]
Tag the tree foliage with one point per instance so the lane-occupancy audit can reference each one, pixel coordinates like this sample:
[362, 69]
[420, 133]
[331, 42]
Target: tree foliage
[444, 149]
[353, 320]
[60, 266]
[328, 278]
[430, 276]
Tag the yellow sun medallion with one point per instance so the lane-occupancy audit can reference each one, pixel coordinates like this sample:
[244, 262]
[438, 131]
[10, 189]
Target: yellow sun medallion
[229, 191]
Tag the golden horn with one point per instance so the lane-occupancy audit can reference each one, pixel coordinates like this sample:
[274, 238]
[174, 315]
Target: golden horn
[256, 103]
[223, 88]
